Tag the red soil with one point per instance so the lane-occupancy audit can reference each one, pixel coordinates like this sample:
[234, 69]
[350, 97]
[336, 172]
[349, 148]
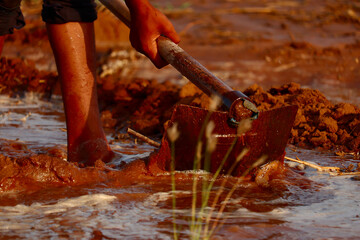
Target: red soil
[146, 105]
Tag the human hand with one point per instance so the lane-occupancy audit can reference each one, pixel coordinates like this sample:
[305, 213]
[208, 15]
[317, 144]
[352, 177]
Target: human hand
[147, 25]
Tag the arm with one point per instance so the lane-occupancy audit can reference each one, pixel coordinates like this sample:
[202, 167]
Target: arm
[147, 24]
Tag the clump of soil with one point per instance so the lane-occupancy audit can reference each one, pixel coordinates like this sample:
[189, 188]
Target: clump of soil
[141, 104]
[319, 123]
[18, 77]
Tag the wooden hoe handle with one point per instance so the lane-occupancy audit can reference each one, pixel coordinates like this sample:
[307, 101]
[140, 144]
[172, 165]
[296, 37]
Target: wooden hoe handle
[184, 63]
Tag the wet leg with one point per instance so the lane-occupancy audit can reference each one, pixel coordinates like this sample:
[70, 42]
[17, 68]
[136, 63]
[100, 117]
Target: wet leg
[73, 45]
[2, 40]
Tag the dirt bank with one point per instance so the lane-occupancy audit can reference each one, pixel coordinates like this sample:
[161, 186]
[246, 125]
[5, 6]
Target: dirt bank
[146, 105]
[18, 77]
[319, 123]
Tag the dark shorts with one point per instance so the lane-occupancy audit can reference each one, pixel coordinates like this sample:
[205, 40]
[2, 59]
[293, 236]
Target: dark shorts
[10, 16]
[54, 11]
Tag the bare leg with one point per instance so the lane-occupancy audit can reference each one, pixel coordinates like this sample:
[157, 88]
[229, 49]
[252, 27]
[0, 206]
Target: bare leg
[73, 45]
[2, 39]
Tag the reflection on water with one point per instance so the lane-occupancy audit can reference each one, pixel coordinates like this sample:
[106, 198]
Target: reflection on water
[313, 206]
[32, 120]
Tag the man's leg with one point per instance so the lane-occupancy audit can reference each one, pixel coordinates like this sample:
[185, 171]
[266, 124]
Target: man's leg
[2, 39]
[73, 45]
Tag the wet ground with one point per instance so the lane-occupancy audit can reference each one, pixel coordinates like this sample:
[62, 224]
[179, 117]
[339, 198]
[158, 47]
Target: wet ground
[314, 44]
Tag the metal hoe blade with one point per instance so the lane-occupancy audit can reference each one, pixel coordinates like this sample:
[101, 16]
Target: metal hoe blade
[267, 137]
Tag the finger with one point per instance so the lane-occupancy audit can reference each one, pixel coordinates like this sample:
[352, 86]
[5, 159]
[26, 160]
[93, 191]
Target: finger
[172, 35]
[159, 62]
[135, 43]
[154, 55]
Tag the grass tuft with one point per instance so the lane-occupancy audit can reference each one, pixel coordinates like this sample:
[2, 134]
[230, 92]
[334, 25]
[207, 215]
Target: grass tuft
[204, 221]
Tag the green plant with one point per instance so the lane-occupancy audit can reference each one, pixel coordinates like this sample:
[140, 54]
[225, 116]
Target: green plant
[173, 135]
[200, 220]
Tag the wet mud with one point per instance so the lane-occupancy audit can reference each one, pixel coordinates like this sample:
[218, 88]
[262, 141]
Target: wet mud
[24, 170]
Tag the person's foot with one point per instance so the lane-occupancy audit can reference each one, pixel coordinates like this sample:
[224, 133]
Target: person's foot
[88, 152]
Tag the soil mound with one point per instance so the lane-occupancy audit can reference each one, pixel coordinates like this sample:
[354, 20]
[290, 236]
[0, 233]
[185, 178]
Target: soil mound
[319, 123]
[145, 105]
[18, 77]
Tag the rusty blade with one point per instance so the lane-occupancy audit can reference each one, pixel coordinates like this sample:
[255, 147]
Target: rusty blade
[268, 137]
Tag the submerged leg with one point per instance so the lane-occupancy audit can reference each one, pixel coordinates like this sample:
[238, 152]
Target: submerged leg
[73, 45]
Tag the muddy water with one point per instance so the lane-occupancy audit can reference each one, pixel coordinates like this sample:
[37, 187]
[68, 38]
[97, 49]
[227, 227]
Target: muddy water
[32, 121]
[306, 205]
